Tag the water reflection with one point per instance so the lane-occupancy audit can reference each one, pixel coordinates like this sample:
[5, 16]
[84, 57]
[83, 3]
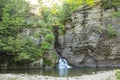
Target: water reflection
[63, 67]
[58, 72]
[63, 72]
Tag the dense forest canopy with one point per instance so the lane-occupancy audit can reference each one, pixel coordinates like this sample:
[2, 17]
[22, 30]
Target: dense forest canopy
[15, 17]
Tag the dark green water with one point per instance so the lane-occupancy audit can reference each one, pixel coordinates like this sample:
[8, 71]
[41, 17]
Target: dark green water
[55, 72]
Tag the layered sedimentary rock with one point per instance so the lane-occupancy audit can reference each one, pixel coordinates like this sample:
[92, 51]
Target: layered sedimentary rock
[92, 38]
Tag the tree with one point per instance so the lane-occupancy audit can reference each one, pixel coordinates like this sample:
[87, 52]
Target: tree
[13, 22]
[2, 4]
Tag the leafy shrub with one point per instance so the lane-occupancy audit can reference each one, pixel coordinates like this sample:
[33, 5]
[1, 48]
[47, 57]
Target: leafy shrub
[107, 4]
[117, 74]
[49, 38]
[111, 32]
[45, 46]
[115, 14]
[13, 21]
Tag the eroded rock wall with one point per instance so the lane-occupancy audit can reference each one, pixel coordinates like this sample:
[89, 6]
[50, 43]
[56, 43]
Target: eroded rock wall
[87, 39]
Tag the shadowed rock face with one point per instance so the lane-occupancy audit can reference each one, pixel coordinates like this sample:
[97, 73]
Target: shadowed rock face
[87, 41]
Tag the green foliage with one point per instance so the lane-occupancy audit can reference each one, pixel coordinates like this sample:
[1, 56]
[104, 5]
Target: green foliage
[13, 22]
[13, 19]
[117, 74]
[57, 15]
[111, 32]
[45, 46]
[115, 14]
[21, 49]
[21, 57]
[2, 5]
[47, 62]
[54, 56]
[49, 38]
[106, 4]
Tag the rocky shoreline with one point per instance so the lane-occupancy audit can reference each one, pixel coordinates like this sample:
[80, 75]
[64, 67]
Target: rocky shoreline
[107, 75]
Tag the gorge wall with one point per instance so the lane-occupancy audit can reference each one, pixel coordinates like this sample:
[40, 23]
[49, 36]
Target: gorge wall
[92, 38]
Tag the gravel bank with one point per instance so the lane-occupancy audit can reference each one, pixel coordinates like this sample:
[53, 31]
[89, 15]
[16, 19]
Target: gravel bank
[109, 75]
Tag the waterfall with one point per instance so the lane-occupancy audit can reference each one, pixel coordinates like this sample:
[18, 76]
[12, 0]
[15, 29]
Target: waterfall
[63, 67]
[63, 63]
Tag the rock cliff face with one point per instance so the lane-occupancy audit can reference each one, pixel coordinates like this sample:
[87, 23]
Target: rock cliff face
[92, 38]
